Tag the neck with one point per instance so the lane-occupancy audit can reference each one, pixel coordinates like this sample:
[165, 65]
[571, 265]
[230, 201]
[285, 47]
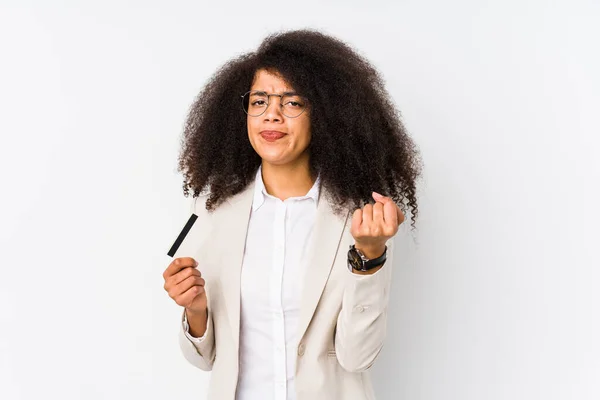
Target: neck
[284, 181]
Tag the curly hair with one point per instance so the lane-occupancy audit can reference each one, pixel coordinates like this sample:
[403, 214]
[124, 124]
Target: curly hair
[358, 142]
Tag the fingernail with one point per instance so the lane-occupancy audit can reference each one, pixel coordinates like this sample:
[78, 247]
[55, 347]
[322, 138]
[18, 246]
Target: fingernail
[377, 194]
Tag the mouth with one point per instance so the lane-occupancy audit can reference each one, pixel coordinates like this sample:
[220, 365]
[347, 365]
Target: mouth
[271, 136]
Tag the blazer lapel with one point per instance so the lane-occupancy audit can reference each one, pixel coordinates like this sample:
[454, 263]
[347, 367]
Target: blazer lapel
[232, 221]
[323, 248]
[233, 227]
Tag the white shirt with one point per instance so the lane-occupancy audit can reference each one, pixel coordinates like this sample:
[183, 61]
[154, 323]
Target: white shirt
[275, 261]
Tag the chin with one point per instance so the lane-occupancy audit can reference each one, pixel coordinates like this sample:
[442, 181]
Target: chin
[275, 153]
[272, 159]
[271, 155]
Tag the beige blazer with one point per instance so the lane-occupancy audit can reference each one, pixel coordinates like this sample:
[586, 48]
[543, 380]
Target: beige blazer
[343, 315]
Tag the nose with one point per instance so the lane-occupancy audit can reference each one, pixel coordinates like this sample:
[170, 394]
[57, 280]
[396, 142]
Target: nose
[273, 111]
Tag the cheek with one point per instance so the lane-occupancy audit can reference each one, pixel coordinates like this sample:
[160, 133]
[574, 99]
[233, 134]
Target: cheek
[306, 133]
[251, 125]
[252, 129]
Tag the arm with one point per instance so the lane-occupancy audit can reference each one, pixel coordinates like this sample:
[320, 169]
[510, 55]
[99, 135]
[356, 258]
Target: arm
[196, 332]
[362, 322]
[199, 351]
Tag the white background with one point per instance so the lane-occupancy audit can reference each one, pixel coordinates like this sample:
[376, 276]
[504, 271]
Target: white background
[495, 298]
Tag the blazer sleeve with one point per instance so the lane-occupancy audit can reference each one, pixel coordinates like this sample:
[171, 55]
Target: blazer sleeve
[200, 352]
[362, 322]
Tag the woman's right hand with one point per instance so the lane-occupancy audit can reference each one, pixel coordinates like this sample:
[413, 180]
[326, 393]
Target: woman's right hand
[185, 284]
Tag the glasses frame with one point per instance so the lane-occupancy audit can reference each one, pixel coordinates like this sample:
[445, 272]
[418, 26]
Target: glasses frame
[269, 102]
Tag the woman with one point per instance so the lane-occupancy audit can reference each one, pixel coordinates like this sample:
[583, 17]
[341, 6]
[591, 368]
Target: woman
[285, 276]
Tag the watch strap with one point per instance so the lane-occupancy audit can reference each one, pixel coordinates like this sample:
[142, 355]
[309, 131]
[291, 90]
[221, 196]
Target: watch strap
[368, 264]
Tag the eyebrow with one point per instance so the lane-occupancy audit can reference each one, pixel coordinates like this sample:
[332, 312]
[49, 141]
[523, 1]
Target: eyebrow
[283, 94]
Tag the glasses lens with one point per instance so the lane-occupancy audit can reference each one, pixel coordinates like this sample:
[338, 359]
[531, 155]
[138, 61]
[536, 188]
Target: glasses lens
[292, 106]
[255, 103]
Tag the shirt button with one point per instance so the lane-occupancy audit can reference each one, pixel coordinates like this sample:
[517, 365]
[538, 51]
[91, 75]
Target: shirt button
[301, 349]
[359, 309]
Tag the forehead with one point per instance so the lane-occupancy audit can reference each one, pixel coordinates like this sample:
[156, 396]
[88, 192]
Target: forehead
[270, 82]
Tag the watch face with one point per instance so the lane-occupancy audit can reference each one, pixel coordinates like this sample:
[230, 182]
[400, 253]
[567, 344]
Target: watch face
[354, 259]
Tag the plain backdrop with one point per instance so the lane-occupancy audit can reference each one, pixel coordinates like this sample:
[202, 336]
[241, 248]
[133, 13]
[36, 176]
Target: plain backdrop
[495, 295]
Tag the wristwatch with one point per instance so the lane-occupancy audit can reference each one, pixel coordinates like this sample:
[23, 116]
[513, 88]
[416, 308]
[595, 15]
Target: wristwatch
[358, 261]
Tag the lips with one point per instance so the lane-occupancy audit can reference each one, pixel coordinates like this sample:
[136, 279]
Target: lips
[272, 136]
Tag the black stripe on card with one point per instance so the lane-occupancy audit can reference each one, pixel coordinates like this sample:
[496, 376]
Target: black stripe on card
[182, 235]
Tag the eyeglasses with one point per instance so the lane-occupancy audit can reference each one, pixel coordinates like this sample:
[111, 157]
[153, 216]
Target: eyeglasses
[256, 102]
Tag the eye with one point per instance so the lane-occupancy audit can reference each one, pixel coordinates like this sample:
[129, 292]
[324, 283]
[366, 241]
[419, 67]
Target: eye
[293, 103]
[259, 102]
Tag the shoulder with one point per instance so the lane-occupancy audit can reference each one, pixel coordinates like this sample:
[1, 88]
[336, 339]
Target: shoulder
[198, 205]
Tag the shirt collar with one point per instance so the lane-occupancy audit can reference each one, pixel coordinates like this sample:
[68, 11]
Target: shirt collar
[260, 191]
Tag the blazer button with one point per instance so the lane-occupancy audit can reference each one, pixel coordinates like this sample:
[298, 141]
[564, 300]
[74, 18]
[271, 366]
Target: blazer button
[301, 349]
[359, 309]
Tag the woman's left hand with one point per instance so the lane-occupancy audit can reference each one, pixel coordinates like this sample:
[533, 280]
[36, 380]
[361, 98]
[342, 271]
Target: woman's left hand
[374, 224]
